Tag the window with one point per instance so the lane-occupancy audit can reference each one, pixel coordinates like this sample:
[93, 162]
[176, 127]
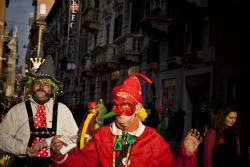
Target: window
[95, 40]
[97, 4]
[42, 8]
[118, 26]
[197, 35]
[92, 92]
[168, 91]
[153, 51]
[104, 90]
[176, 40]
[76, 82]
[66, 83]
[107, 33]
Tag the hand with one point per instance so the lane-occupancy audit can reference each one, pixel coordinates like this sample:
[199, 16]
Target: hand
[56, 144]
[36, 62]
[39, 145]
[192, 141]
[30, 152]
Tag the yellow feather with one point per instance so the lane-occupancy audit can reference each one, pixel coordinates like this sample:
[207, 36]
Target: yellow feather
[142, 114]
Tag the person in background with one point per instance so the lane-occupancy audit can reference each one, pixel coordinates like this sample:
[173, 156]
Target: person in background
[87, 126]
[28, 127]
[163, 124]
[222, 142]
[153, 118]
[174, 132]
[126, 141]
[101, 111]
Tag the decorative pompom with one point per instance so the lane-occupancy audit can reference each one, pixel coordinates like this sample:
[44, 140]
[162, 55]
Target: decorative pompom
[142, 114]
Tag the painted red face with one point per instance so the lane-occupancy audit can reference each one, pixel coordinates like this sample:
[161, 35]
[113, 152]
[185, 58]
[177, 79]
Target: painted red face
[124, 105]
[124, 109]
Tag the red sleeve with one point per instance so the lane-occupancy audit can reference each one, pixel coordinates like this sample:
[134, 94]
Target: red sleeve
[209, 143]
[238, 145]
[70, 160]
[185, 160]
[87, 156]
[165, 158]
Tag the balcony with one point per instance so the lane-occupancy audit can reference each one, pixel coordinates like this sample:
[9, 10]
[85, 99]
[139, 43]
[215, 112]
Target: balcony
[105, 59]
[196, 57]
[175, 62]
[107, 13]
[87, 71]
[128, 48]
[154, 18]
[67, 64]
[90, 19]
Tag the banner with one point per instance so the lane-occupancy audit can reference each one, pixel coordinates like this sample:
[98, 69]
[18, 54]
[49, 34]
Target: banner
[73, 28]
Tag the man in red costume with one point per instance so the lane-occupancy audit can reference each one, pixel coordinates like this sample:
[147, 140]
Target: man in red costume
[126, 141]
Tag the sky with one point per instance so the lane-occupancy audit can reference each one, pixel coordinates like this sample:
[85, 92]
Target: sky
[17, 14]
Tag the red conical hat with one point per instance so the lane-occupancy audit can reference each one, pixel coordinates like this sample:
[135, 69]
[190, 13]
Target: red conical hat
[92, 104]
[131, 88]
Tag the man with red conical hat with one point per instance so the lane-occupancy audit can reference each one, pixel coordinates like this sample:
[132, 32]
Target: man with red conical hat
[126, 141]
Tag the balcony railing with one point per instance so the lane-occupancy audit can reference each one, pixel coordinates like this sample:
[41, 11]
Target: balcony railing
[104, 58]
[105, 54]
[175, 62]
[196, 57]
[188, 59]
[155, 8]
[155, 17]
[90, 18]
[87, 70]
[129, 47]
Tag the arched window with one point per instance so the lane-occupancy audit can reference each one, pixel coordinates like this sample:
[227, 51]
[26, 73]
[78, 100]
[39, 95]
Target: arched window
[42, 8]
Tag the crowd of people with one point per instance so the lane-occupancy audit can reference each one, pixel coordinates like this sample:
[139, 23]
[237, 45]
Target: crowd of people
[43, 132]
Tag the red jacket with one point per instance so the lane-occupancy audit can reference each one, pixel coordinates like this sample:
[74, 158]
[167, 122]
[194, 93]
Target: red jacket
[150, 150]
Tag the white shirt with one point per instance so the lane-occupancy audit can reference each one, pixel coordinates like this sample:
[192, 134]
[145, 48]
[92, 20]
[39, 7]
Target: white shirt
[15, 131]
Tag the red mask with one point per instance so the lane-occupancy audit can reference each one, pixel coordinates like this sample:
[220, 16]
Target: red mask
[124, 105]
[124, 109]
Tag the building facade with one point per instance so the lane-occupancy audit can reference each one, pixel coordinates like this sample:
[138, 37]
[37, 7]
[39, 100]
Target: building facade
[188, 48]
[116, 38]
[3, 5]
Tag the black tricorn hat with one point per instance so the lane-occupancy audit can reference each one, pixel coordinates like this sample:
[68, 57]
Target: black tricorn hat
[46, 70]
